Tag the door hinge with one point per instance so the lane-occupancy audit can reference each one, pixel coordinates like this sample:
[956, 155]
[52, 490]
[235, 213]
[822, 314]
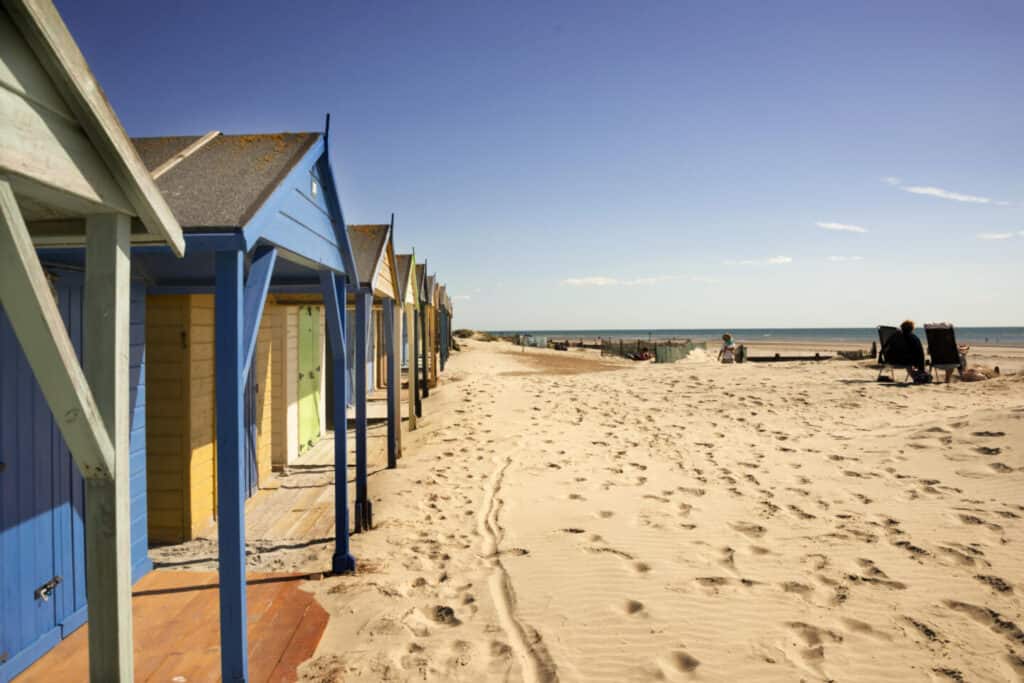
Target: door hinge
[46, 590]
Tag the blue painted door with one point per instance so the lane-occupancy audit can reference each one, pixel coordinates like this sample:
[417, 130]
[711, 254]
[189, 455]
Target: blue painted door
[41, 501]
[42, 534]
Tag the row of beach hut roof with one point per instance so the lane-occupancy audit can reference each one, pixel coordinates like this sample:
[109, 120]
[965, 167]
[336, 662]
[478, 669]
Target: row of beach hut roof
[180, 317]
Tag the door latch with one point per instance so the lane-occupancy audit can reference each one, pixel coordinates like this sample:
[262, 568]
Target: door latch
[46, 590]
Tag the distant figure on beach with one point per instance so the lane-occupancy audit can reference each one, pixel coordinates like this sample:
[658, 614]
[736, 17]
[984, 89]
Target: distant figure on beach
[727, 354]
[906, 349]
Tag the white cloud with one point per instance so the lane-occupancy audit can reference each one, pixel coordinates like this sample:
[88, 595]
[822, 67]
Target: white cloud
[843, 259]
[996, 235]
[770, 261]
[841, 227]
[605, 281]
[932, 191]
[593, 281]
[461, 297]
[946, 194]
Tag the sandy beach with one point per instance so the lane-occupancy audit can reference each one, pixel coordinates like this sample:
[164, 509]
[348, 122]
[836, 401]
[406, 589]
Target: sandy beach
[559, 516]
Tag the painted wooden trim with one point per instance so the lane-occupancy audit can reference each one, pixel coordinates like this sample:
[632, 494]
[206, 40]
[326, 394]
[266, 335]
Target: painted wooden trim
[323, 166]
[255, 298]
[183, 154]
[231, 480]
[30, 306]
[108, 574]
[45, 31]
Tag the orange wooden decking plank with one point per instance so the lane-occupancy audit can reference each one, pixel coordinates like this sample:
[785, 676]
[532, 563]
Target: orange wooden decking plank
[203, 664]
[272, 634]
[302, 644]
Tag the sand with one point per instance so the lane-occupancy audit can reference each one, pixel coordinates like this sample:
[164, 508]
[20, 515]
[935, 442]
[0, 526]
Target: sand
[559, 516]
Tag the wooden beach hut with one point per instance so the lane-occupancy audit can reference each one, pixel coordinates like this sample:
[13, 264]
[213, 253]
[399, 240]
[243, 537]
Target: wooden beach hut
[372, 304]
[423, 353]
[261, 217]
[431, 316]
[74, 200]
[444, 327]
[408, 291]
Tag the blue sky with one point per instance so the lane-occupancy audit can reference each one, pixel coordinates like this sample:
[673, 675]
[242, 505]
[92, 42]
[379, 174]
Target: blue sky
[631, 165]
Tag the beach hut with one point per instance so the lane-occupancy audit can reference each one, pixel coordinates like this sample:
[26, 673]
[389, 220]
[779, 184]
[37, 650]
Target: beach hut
[372, 303]
[74, 200]
[261, 217]
[406, 270]
[431, 336]
[444, 312]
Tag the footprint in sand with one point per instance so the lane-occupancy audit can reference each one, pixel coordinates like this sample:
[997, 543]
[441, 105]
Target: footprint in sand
[677, 662]
[632, 607]
[748, 529]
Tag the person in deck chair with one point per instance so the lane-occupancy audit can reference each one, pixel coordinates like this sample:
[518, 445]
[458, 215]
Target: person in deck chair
[906, 349]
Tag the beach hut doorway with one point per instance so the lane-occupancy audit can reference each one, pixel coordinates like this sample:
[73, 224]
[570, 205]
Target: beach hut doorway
[309, 377]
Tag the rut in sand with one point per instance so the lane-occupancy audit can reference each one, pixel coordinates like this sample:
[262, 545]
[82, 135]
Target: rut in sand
[537, 665]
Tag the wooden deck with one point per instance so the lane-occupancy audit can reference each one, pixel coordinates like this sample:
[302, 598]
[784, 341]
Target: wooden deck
[177, 631]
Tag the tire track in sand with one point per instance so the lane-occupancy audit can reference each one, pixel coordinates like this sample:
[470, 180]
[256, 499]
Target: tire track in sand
[534, 658]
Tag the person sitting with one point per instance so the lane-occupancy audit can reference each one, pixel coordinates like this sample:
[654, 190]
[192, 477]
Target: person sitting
[727, 354]
[906, 349]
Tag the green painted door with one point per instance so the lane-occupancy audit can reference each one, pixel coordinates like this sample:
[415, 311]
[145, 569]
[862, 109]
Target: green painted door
[309, 376]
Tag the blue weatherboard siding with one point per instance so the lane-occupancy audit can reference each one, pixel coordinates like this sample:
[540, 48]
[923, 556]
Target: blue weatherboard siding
[298, 220]
[41, 492]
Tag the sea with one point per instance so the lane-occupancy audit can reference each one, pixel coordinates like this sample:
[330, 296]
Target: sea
[997, 336]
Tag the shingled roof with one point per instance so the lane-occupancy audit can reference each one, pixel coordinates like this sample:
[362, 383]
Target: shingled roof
[222, 183]
[368, 243]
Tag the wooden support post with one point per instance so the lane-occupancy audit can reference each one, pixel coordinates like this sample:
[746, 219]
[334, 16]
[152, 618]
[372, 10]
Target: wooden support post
[388, 318]
[334, 312]
[363, 509]
[108, 550]
[231, 485]
[410, 343]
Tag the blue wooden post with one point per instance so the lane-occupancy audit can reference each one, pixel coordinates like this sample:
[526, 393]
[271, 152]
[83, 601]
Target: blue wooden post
[334, 310]
[363, 508]
[414, 360]
[393, 419]
[423, 344]
[230, 466]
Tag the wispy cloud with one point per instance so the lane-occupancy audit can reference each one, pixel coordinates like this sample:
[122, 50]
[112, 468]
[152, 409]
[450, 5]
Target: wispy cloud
[605, 281]
[844, 259]
[461, 297]
[932, 191]
[841, 227]
[996, 235]
[946, 194]
[770, 261]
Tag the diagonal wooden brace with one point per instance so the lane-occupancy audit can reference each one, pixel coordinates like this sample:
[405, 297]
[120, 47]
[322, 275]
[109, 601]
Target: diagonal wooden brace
[255, 297]
[30, 306]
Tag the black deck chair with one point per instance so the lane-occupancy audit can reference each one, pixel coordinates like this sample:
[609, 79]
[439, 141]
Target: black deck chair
[890, 357]
[942, 347]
